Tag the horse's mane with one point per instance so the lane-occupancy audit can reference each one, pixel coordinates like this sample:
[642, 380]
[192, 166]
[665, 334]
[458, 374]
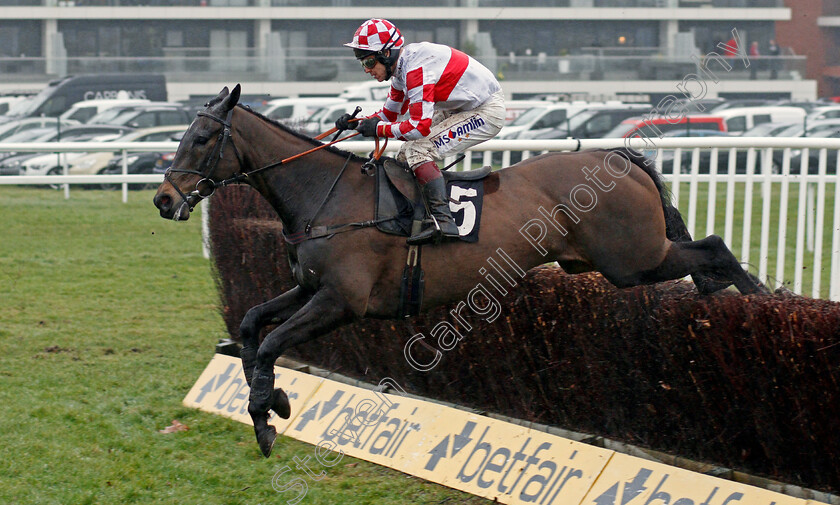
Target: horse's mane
[300, 135]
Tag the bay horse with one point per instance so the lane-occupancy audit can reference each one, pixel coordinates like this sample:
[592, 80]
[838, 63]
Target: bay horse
[625, 228]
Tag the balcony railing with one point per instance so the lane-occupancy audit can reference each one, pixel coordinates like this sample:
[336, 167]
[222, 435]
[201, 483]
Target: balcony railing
[244, 65]
[647, 4]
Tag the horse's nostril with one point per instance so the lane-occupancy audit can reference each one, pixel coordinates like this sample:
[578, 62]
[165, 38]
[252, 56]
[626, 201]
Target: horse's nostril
[163, 202]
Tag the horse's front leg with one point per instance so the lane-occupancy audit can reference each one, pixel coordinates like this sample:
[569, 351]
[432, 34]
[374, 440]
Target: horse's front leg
[275, 311]
[324, 312]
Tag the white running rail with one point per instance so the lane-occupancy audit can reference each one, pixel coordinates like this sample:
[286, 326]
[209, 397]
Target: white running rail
[783, 224]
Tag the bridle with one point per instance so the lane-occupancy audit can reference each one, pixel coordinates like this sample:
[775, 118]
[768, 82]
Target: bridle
[206, 186]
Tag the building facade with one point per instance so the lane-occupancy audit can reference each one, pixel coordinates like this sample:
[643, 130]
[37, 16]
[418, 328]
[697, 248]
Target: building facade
[580, 48]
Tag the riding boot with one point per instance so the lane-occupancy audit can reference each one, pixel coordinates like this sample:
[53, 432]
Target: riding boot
[433, 190]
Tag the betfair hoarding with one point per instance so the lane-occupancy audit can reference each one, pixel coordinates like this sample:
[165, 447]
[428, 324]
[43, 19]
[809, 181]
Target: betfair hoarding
[476, 454]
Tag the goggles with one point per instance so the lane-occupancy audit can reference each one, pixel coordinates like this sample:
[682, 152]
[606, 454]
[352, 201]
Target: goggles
[368, 62]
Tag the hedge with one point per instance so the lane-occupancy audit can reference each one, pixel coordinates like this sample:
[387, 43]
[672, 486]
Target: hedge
[747, 382]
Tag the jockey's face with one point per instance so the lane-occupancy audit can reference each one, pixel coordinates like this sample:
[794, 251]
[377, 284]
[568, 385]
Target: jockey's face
[378, 71]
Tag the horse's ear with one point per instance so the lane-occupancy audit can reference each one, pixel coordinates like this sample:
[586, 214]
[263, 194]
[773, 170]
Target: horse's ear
[221, 96]
[231, 100]
[234, 96]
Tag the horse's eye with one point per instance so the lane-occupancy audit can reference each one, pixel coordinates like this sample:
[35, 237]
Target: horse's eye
[201, 140]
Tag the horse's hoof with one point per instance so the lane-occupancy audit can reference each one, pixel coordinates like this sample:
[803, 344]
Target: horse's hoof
[280, 404]
[266, 438]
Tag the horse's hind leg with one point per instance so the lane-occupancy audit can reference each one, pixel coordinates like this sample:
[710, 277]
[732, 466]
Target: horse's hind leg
[708, 257]
[677, 231]
[325, 311]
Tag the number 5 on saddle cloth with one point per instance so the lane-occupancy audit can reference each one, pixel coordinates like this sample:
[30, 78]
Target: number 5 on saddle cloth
[398, 198]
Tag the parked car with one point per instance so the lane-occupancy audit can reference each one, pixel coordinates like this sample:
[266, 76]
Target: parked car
[655, 127]
[95, 163]
[824, 112]
[366, 91]
[814, 156]
[771, 129]
[70, 134]
[61, 93]
[144, 116]
[810, 129]
[549, 115]
[50, 163]
[738, 103]
[86, 109]
[324, 118]
[294, 110]
[8, 102]
[739, 120]
[139, 163]
[12, 126]
[515, 108]
[589, 123]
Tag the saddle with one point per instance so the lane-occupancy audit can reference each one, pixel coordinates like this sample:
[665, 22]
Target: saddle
[398, 196]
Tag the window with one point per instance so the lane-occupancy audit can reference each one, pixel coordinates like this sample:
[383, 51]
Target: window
[282, 112]
[761, 118]
[171, 117]
[736, 124]
[143, 120]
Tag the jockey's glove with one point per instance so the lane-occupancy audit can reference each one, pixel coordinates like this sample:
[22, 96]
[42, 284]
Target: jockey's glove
[343, 123]
[367, 127]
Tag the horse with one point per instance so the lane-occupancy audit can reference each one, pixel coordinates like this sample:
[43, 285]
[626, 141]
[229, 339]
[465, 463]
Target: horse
[593, 210]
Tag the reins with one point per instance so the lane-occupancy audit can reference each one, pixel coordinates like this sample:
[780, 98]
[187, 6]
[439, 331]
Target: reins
[206, 186]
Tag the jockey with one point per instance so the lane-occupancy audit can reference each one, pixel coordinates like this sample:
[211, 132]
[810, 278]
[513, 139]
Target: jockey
[453, 102]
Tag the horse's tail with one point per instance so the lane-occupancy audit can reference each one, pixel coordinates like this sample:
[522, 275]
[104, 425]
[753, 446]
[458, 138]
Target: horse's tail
[675, 228]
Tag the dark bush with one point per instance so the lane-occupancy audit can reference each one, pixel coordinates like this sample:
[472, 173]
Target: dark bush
[748, 382]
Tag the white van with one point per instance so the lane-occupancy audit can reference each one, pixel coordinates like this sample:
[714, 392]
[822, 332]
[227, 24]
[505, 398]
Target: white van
[324, 118]
[373, 90]
[292, 110]
[86, 109]
[740, 119]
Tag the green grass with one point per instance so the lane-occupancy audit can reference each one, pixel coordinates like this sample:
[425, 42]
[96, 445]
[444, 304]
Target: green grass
[108, 314]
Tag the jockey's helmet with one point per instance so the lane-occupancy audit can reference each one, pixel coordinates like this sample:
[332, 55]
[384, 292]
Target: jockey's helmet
[376, 36]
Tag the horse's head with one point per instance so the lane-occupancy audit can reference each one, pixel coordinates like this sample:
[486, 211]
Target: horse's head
[205, 157]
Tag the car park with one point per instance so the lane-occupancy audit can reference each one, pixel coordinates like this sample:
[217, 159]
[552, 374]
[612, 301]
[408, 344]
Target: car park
[814, 156]
[771, 129]
[324, 118]
[657, 126]
[366, 91]
[812, 128]
[11, 127]
[69, 134]
[49, 163]
[740, 103]
[589, 123]
[139, 163]
[144, 116]
[95, 162]
[8, 102]
[61, 93]
[295, 110]
[86, 109]
[824, 112]
[741, 119]
[549, 115]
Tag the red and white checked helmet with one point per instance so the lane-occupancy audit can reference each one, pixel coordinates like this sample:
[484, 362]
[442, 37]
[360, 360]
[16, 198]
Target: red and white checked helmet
[376, 35]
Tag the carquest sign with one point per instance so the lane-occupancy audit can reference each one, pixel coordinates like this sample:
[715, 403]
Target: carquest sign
[476, 454]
